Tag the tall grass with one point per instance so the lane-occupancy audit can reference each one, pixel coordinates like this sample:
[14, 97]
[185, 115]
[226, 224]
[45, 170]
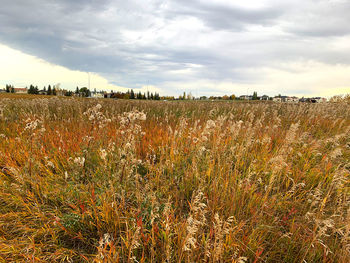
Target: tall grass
[135, 181]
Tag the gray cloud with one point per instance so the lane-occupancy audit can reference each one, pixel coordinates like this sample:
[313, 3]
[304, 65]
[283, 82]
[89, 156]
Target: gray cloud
[133, 43]
[224, 17]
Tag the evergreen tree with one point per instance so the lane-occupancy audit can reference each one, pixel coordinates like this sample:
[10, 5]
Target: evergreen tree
[54, 91]
[8, 88]
[152, 97]
[49, 91]
[156, 96]
[31, 89]
[132, 94]
[148, 96]
[12, 89]
[255, 95]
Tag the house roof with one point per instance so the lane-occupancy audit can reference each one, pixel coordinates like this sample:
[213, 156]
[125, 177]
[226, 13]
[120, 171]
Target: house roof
[20, 89]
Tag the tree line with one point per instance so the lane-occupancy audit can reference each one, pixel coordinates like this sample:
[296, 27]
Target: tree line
[130, 94]
[10, 89]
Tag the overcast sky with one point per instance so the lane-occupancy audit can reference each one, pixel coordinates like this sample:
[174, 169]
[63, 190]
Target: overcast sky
[292, 47]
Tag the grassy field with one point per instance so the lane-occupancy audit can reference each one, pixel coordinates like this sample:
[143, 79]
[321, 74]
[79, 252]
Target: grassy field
[139, 181]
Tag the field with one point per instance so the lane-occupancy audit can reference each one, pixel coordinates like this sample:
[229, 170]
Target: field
[85, 180]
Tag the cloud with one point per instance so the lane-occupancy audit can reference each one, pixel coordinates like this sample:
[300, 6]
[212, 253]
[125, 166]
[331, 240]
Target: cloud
[171, 45]
[32, 70]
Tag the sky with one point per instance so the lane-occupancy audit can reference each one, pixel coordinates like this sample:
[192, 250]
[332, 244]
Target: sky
[217, 47]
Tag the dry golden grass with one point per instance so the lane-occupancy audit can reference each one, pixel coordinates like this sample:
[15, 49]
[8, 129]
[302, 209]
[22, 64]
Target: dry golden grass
[21, 96]
[136, 181]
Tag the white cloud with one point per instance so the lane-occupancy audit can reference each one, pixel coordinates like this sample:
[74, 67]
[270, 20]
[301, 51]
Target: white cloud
[303, 78]
[21, 70]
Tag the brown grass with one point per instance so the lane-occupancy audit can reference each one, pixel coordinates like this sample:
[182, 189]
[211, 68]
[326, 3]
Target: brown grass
[193, 182]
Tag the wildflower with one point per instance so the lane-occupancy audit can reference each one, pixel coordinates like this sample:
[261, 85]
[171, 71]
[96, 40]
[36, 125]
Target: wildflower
[210, 124]
[128, 145]
[32, 125]
[278, 163]
[135, 240]
[290, 137]
[105, 240]
[336, 153]
[103, 154]
[49, 163]
[195, 221]
[79, 160]
[242, 259]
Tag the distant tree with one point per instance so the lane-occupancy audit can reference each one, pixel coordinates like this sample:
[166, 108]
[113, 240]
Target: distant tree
[148, 95]
[54, 91]
[156, 96]
[255, 95]
[44, 89]
[184, 96]
[77, 91]
[68, 93]
[12, 89]
[225, 97]
[31, 89]
[232, 97]
[49, 91]
[8, 88]
[132, 94]
[152, 97]
[85, 92]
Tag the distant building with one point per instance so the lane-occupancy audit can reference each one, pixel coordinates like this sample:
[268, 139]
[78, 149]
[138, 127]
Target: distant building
[2, 91]
[21, 90]
[313, 100]
[97, 95]
[278, 98]
[289, 99]
[264, 97]
[60, 92]
[108, 95]
[246, 97]
[42, 92]
[292, 99]
[318, 100]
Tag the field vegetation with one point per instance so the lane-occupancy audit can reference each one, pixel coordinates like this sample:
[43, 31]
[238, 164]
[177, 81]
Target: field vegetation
[86, 180]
